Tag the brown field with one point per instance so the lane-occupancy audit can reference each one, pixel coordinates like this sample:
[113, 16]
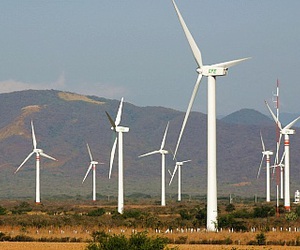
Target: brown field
[81, 246]
[239, 239]
[41, 246]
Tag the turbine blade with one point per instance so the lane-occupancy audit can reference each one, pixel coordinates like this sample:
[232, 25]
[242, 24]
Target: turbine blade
[258, 173]
[150, 153]
[164, 138]
[89, 150]
[277, 149]
[291, 123]
[169, 172]
[112, 156]
[186, 161]
[282, 158]
[274, 117]
[229, 64]
[193, 45]
[47, 156]
[119, 114]
[33, 136]
[26, 159]
[111, 120]
[174, 158]
[87, 172]
[174, 172]
[188, 112]
[262, 142]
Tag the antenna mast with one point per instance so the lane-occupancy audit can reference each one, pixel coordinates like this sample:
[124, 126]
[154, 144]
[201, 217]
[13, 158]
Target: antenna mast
[278, 168]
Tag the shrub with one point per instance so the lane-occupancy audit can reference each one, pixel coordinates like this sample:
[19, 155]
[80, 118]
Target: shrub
[261, 239]
[228, 221]
[135, 242]
[23, 208]
[230, 207]
[242, 213]
[2, 211]
[263, 211]
[185, 214]
[97, 212]
[132, 213]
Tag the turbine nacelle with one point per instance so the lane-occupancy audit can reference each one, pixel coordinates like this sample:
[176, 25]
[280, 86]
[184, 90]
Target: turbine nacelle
[267, 153]
[287, 131]
[122, 129]
[212, 71]
[38, 151]
[162, 151]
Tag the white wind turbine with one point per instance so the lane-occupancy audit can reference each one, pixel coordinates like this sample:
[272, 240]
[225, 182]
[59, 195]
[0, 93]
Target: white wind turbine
[267, 154]
[120, 130]
[163, 152]
[38, 153]
[286, 131]
[92, 166]
[211, 72]
[178, 166]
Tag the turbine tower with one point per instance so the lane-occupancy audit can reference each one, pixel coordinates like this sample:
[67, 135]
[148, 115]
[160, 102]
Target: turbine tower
[163, 152]
[286, 131]
[120, 130]
[178, 166]
[92, 166]
[38, 153]
[267, 154]
[211, 72]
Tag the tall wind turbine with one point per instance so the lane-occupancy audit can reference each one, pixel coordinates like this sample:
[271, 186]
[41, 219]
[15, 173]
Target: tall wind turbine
[38, 153]
[92, 166]
[211, 72]
[120, 130]
[178, 166]
[163, 152]
[286, 131]
[266, 153]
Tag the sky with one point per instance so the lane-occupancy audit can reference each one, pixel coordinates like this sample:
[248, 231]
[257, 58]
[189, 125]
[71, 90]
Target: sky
[136, 49]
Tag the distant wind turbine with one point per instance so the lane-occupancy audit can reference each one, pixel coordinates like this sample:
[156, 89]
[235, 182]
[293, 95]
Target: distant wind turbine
[163, 152]
[92, 166]
[178, 167]
[119, 130]
[211, 72]
[38, 153]
[286, 131]
[267, 154]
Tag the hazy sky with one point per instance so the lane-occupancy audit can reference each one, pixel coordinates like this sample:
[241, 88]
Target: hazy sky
[137, 49]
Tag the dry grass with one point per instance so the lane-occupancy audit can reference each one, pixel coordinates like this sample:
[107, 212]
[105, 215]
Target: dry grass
[41, 246]
[76, 97]
[192, 237]
[231, 247]
[82, 246]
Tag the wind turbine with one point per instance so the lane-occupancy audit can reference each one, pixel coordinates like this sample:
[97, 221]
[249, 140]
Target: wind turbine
[92, 166]
[286, 131]
[178, 166]
[267, 154]
[120, 130]
[163, 152]
[38, 153]
[211, 72]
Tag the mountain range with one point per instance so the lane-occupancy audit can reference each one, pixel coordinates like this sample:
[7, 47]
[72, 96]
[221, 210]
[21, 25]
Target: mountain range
[64, 122]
